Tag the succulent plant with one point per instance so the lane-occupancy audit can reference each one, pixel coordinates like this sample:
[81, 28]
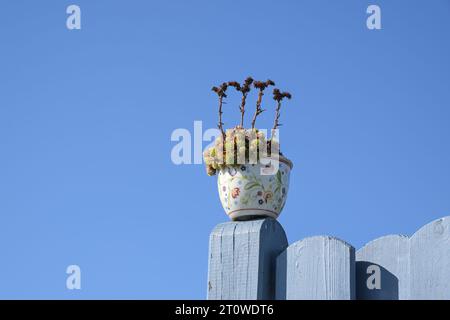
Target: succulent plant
[239, 146]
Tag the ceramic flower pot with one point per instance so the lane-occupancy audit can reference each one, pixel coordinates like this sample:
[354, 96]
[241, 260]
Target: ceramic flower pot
[254, 190]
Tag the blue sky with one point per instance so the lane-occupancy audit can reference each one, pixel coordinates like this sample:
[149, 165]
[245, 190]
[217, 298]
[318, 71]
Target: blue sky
[86, 117]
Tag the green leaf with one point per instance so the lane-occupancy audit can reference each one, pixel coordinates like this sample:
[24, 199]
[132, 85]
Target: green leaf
[251, 185]
[279, 177]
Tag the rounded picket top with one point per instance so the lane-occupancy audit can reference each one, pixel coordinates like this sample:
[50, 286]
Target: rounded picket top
[380, 242]
[435, 228]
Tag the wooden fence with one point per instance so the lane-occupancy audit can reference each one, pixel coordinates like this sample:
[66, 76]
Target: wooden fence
[252, 260]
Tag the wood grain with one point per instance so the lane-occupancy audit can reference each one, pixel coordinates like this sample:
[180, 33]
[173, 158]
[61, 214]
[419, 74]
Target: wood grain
[430, 261]
[242, 259]
[317, 268]
[252, 260]
[391, 255]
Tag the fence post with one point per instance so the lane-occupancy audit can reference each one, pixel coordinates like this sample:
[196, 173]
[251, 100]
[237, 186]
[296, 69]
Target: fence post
[242, 259]
[316, 268]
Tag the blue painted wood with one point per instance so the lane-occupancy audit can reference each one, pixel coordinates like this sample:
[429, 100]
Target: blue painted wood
[242, 259]
[430, 261]
[416, 267]
[317, 268]
[391, 255]
[251, 260]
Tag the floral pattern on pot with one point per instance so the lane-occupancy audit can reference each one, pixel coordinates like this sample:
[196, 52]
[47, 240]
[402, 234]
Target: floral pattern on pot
[252, 190]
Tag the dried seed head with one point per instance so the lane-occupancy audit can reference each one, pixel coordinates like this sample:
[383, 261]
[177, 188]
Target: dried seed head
[277, 95]
[270, 83]
[220, 91]
[286, 95]
[245, 88]
[235, 84]
[248, 81]
[259, 85]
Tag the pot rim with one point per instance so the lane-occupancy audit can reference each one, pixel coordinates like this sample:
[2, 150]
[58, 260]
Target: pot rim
[282, 159]
[286, 161]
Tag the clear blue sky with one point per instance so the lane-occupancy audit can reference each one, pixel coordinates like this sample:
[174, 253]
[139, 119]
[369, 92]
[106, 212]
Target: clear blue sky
[86, 117]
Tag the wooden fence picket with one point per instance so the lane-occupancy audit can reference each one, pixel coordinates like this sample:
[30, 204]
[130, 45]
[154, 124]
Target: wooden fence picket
[317, 268]
[391, 255]
[430, 261]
